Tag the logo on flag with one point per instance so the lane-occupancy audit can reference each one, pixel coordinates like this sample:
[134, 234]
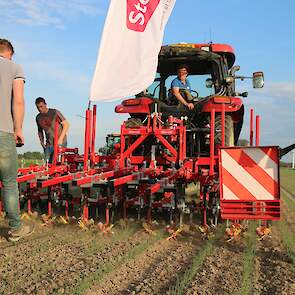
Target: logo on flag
[139, 12]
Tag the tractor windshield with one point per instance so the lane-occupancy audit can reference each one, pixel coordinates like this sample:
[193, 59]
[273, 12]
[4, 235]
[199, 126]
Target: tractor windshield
[205, 71]
[199, 85]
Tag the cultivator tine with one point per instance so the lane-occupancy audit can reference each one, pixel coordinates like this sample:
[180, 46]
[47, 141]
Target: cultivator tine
[149, 215]
[29, 204]
[82, 224]
[206, 231]
[26, 216]
[181, 218]
[234, 231]
[148, 228]
[67, 210]
[107, 216]
[263, 232]
[173, 233]
[105, 229]
[64, 220]
[47, 220]
[85, 212]
[85, 224]
[124, 213]
[49, 211]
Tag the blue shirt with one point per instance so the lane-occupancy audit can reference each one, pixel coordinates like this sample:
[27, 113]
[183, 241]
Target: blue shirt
[177, 83]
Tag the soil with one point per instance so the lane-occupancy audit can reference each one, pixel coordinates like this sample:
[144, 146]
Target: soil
[154, 271]
[274, 271]
[52, 262]
[64, 259]
[221, 271]
[273, 268]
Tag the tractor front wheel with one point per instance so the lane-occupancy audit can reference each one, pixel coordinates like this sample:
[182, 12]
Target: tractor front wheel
[228, 131]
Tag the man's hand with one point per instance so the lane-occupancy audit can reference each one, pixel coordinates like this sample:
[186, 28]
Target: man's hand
[59, 142]
[19, 137]
[190, 106]
[43, 145]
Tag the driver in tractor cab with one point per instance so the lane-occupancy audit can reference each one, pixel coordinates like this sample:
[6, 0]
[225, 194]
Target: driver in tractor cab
[181, 89]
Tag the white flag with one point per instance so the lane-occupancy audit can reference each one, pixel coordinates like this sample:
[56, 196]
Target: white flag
[128, 54]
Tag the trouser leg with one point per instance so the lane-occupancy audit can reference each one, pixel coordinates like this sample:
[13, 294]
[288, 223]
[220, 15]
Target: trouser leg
[48, 154]
[8, 175]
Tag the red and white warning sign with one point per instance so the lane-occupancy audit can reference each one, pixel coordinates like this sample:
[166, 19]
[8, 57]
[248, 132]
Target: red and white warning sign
[249, 174]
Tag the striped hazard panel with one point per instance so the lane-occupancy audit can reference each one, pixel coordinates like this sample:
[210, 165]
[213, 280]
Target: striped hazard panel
[249, 183]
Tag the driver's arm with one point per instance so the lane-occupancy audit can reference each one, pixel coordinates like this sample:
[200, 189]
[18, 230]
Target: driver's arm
[176, 93]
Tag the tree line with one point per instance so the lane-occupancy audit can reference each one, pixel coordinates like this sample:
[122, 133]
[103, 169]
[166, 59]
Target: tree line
[31, 156]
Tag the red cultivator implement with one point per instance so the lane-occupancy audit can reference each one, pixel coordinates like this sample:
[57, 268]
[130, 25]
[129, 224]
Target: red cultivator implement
[163, 148]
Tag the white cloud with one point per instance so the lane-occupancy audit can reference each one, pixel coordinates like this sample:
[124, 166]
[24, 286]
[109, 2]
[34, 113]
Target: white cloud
[44, 12]
[281, 90]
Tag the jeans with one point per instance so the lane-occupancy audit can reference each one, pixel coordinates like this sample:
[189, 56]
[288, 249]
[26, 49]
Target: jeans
[49, 152]
[8, 175]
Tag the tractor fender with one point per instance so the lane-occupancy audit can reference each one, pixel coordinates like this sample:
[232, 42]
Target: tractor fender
[140, 105]
[233, 105]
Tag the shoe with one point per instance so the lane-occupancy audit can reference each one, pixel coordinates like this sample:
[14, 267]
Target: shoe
[24, 231]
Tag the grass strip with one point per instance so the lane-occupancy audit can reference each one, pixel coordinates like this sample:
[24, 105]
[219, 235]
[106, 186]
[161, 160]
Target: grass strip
[114, 264]
[290, 203]
[248, 260]
[288, 240]
[183, 282]
[287, 177]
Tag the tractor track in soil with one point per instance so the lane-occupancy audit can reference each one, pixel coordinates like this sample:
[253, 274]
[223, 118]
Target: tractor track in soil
[154, 271]
[274, 273]
[63, 264]
[288, 216]
[289, 194]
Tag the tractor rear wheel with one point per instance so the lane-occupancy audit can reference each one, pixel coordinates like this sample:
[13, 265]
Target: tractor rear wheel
[228, 131]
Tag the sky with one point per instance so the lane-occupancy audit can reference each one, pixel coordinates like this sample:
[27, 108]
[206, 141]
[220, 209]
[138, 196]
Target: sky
[57, 42]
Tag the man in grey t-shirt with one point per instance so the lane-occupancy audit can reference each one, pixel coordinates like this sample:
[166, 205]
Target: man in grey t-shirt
[11, 120]
[46, 123]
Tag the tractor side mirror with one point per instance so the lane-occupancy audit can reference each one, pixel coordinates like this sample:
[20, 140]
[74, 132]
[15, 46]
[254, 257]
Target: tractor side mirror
[258, 80]
[209, 83]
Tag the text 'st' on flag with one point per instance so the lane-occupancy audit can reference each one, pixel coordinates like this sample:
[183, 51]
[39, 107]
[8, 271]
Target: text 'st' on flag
[128, 54]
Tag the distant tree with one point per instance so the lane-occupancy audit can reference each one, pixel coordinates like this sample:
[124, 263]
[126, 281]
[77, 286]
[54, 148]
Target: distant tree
[31, 156]
[284, 164]
[243, 142]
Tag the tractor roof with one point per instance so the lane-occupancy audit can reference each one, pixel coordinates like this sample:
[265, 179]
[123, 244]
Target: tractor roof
[196, 56]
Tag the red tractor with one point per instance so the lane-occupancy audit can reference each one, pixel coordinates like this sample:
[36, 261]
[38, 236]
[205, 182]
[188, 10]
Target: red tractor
[170, 138]
[212, 75]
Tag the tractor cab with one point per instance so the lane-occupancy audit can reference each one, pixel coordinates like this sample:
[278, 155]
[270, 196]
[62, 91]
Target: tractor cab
[212, 77]
[207, 70]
